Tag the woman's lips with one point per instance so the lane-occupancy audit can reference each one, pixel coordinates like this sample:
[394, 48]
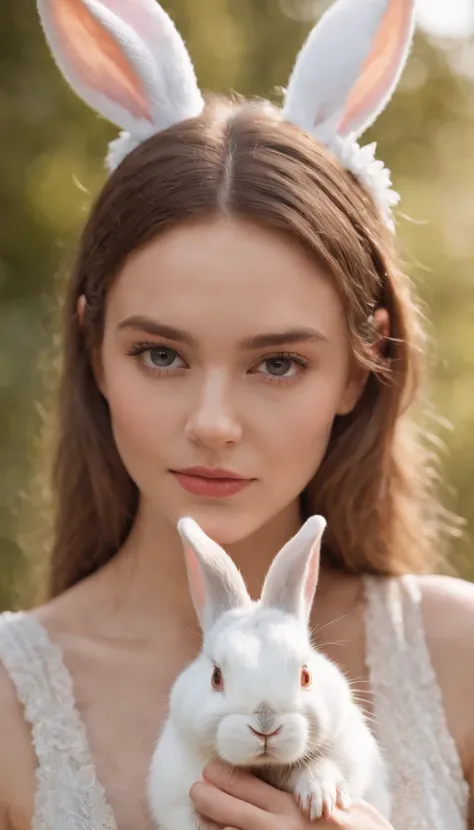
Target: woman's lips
[212, 483]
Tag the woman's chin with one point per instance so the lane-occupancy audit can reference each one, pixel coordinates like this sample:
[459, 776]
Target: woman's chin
[224, 523]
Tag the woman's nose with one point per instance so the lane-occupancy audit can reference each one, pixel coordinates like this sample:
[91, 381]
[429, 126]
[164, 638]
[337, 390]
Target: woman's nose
[212, 421]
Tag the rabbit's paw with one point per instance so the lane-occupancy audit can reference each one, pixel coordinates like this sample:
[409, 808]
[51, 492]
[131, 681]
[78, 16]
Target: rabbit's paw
[320, 789]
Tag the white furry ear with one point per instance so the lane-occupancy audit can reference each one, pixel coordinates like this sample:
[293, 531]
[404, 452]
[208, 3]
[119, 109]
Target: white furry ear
[349, 67]
[292, 579]
[215, 582]
[126, 59]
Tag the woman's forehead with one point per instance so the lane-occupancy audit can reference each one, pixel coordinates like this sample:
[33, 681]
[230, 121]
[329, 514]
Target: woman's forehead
[226, 271]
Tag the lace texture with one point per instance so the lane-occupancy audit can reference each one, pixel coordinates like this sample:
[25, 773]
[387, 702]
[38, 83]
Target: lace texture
[428, 788]
[68, 795]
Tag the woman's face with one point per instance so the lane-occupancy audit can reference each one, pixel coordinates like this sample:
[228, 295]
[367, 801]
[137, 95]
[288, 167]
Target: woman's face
[225, 348]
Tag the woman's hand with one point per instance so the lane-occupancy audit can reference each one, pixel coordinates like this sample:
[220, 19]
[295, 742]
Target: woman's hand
[237, 800]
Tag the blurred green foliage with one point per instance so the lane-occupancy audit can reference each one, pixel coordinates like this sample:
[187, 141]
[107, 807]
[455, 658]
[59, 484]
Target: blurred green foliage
[51, 162]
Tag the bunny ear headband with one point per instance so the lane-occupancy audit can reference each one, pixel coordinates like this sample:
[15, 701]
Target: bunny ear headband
[126, 60]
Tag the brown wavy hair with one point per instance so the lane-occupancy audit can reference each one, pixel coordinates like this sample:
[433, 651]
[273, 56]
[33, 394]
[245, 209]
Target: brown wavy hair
[376, 485]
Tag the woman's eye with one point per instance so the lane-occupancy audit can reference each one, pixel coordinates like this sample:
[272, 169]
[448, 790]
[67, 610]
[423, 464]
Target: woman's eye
[156, 358]
[282, 366]
[161, 357]
[279, 365]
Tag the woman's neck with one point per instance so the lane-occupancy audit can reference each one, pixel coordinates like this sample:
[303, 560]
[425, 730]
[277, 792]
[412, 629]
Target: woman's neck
[144, 587]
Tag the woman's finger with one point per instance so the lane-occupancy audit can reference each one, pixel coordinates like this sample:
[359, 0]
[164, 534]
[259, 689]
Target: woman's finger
[246, 787]
[221, 808]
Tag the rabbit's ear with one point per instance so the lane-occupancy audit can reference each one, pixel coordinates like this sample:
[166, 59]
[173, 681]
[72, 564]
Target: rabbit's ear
[291, 581]
[125, 59]
[349, 66]
[216, 583]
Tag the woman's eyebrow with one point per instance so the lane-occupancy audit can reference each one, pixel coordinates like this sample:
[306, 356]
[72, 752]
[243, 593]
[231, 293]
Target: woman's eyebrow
[280, 338]
[139, 322]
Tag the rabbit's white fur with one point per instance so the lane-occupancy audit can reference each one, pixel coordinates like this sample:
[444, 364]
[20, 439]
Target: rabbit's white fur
[323, 751]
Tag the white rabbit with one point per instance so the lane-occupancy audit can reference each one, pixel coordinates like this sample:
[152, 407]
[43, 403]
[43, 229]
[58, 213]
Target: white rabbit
[259, 696]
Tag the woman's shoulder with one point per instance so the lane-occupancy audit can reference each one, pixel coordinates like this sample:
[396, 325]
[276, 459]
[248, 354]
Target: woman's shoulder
[12, 721]
[448, 614]
[17, 759]
[9, 730]
[27, 659]
[447, 605]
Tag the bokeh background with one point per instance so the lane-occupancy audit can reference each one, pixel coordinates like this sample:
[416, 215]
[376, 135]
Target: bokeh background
[51, 162]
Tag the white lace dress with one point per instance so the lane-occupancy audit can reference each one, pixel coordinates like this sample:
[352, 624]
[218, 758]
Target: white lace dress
[428, 787]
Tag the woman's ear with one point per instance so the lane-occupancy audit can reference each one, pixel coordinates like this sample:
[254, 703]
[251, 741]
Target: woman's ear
[353, 390]
[380, 324]
[81, 310]
[95, 356]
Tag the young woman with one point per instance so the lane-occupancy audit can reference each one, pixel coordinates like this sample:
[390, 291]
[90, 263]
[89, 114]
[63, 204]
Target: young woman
[241, 347]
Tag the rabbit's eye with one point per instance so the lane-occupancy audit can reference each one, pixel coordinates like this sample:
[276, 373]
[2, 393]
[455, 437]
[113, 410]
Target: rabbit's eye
[305, 677]
[217, 679]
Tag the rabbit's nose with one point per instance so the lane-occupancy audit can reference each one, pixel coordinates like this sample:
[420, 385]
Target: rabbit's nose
[265, 735]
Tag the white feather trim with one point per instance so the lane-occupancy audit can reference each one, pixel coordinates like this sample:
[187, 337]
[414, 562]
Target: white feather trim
[370, 172]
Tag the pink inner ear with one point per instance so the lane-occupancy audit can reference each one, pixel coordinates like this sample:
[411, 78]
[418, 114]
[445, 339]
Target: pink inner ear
[96, 59]
[381, 65]
[312, 574]
[196, 581]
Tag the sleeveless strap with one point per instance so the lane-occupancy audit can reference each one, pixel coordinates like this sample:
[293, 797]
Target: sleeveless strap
[68, 795]
[428, 785]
